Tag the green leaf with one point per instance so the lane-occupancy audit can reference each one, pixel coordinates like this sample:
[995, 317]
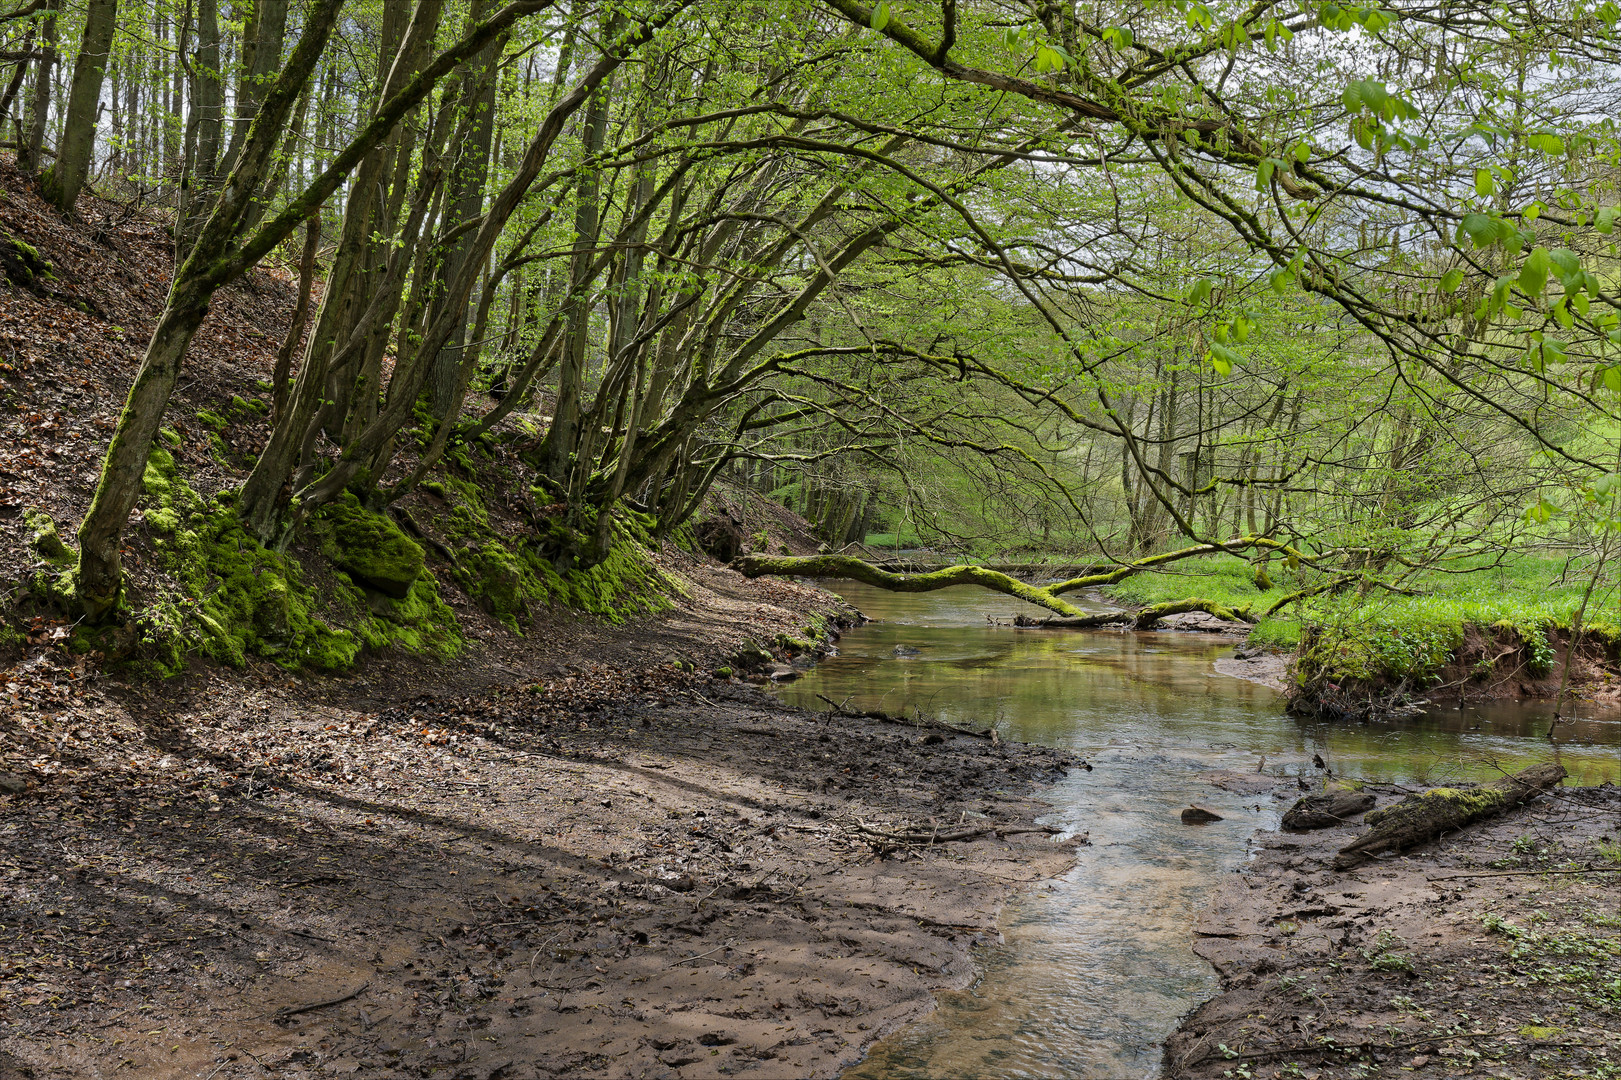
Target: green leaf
[1263, 175]
[1541, 513]
[1478, 227]
[1612, 379]
[1605, 221]
[1223, 359]
[1451, 280]
[1546, 142]
[880, 15]
[1279, 280]
[1534, 274]
[1484, 183]
[1200, 291]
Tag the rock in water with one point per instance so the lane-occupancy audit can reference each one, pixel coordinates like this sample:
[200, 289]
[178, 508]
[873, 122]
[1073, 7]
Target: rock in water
[1326, 811]
[907, 650]
[1198, 815]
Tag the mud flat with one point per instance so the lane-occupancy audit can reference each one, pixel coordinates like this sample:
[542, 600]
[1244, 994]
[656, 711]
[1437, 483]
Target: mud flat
[607, 871]
[1495, 951]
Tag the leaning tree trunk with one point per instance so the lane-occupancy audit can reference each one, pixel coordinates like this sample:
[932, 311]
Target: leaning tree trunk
[63, 182]
[1425, 816]
[214, 260]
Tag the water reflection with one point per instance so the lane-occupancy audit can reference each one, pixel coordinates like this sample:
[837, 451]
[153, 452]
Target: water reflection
[1096, 967]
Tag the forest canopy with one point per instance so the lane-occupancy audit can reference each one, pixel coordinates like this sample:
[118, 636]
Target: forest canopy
[1327, 283]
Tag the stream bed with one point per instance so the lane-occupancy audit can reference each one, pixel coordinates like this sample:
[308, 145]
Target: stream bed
[1096, 968]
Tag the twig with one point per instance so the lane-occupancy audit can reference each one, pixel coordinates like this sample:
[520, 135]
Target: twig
[1357, 1048]
[1529, 873]
[283, 1013]
[700, 956]
[938, 837]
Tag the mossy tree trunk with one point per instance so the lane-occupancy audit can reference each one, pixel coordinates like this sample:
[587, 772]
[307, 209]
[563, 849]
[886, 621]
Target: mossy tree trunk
[64, 180]
[1047, 596]
[1427, 815]
[213, 261]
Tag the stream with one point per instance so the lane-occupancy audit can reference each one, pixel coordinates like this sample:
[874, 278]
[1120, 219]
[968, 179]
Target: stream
[1096, 967]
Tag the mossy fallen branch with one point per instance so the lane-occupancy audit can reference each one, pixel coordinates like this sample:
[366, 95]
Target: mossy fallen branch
[1423, 817]
[844, 566]
[1047, 596]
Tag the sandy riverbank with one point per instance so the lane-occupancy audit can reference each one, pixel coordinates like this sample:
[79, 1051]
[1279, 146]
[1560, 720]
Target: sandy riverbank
[572, 864]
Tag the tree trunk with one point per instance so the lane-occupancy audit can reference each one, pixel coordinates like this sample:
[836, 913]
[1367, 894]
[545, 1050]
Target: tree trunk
[295, 330]
[17, 78]
[1425, 816]
[98, 579]
[559, 446]
[39, 102]
[466, 200]
[203, 130]
[62, 183]
[262, 41]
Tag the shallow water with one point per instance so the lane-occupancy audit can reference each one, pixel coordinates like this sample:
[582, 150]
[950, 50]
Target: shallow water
[1097, 966]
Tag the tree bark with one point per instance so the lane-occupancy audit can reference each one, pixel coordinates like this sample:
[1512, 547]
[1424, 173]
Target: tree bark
[1425, 816]
[295, 330]
[466, 200]
[39, 102]
[62, 183]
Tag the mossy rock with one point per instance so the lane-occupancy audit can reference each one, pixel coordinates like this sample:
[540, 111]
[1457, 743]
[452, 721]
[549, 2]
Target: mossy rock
[43, 539]
[370, 548]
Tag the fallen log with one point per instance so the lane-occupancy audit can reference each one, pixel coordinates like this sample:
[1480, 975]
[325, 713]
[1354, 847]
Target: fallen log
[1426, 815]
[1326, 811]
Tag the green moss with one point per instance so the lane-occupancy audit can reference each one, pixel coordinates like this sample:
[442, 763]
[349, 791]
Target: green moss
[369, 547]
[1426, 805]
[507, 575]
[212, 420]
[43, 539]
[236, 598]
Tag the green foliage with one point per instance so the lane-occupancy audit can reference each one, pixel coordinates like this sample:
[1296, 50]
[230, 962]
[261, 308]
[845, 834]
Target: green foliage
[507, 575]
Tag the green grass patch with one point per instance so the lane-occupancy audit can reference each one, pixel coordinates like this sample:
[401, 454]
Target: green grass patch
[1376, 635]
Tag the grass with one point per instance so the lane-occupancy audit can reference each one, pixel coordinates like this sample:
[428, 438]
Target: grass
[1383, 635]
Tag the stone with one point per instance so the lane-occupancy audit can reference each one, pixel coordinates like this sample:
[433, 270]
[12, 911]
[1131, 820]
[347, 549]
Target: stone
[12, 784]
[1198, 815]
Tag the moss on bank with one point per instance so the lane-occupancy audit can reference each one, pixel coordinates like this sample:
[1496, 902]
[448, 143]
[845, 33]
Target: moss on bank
[507, 575]
[226, 597]
[231, 598]
[1462, 631]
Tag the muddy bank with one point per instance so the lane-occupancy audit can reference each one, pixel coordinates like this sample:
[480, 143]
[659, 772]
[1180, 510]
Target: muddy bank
[606, 871]
[1492, 952]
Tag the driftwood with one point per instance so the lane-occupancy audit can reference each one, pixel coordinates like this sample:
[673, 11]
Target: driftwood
[1326, 811]
[952, 835]
[1422, 817]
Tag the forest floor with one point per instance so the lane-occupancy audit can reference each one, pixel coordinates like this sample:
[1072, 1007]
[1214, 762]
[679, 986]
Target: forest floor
[572, 861]
[1493, 952]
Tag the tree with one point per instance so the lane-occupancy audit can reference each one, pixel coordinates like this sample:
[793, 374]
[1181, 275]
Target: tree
[62, 182]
